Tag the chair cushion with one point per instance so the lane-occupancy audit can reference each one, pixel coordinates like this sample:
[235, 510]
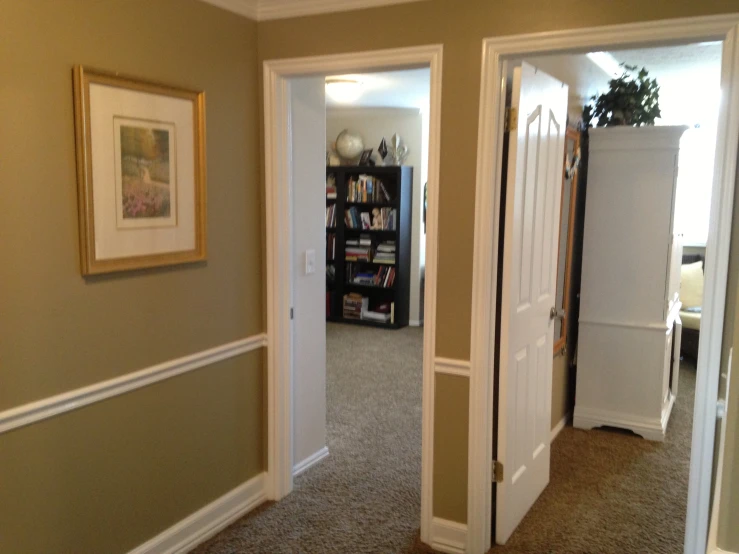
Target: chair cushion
[691, 320]
[691, 285]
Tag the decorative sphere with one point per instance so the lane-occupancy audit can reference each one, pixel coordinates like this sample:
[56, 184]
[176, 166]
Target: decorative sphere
[349, 144]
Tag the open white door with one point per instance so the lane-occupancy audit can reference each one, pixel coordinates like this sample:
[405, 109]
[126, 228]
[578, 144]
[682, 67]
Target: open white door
[534, 181]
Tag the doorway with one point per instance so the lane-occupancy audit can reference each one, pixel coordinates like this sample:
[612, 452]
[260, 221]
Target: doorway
[280, 190]
[497, 54]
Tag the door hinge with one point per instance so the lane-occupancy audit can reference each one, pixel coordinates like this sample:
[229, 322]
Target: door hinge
[497, 471]
[292, 313]
[511, 119]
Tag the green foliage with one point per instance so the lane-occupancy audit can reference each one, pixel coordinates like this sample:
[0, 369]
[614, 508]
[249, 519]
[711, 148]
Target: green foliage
[631, 100]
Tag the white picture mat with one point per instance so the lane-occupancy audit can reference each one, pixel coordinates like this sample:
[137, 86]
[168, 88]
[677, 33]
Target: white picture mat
[107, 102]
[145, 222]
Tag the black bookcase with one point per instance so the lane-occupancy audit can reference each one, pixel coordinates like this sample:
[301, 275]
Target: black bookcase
[398, 181]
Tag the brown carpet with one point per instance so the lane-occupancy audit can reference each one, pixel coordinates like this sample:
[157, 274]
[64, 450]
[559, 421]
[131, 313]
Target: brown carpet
[609, 492]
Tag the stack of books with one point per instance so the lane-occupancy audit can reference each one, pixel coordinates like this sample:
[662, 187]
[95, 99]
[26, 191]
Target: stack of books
[354, 305]
[358, 250]
[331, 187]
[331, 215]
[385, 253]
[366, 188]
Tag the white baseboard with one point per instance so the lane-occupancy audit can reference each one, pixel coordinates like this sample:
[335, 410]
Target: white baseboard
[650, 428]
[415, 322]
[448, 536]
[561, 425]
[208, 521]
[719, 551]
[310, 461]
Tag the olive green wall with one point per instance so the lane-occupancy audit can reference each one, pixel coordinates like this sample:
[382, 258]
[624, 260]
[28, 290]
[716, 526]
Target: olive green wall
[460, 26]
[109, 476]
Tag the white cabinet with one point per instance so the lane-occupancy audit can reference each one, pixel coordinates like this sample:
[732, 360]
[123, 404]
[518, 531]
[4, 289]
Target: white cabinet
[629, 297]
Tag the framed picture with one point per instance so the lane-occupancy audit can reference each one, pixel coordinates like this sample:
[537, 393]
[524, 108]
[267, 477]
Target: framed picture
[366, 158]
[140, 172]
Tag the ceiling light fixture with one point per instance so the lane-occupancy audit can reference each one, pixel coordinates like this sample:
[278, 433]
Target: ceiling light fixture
[343, 91]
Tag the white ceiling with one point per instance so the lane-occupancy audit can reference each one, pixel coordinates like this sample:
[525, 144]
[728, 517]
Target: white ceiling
[280, 9]
[688, 76]
[389, 89]
[668, 61]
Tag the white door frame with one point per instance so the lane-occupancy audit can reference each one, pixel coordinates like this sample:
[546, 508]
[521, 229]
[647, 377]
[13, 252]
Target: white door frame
[278, 187]
[487, 210]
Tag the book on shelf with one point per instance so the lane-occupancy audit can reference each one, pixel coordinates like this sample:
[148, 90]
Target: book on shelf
[331, 215]
[330, 247]
[331, 187]
[354, 304]
[358, 253]
[366, 188]
[330, 275]
[385, 253]
[382, 277]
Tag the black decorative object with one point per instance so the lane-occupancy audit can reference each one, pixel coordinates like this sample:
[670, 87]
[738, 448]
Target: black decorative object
[382, 149]
[366, 158]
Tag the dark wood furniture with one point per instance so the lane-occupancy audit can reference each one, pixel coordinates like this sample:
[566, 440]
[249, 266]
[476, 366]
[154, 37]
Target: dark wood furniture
[398, 181]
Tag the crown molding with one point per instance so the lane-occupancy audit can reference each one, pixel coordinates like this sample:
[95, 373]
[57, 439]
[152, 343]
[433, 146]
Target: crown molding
[282, 9]
[245, 8]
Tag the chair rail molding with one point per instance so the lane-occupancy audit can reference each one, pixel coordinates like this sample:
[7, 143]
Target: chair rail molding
[495, 53]
[52, 406]
[449, 366]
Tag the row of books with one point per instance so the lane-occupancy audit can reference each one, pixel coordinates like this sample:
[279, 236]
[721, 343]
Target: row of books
[330, 246]
[383, 276]
[331, 215]
[331, 187]
[366, 188]
[383, 219]
[355, 219]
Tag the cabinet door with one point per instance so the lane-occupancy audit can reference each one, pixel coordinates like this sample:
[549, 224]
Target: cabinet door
[674, 264]
[667, 367]
[675, 370]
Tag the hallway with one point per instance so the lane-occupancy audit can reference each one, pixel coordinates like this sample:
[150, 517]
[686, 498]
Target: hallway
[610, 492]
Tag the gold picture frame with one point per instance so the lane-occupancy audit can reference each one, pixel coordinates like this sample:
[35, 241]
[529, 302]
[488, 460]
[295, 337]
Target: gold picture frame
[141, 186]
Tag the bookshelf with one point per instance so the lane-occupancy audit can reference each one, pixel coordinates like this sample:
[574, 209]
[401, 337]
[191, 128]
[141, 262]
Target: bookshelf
[372, 264]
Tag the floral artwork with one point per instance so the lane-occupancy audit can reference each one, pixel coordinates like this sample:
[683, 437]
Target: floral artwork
[145, 165]
[140, 172]
[145, 172]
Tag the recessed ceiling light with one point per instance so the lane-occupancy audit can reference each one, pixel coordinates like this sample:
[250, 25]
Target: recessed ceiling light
[343, 91]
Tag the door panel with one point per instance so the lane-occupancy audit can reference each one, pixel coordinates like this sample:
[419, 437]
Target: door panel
[536, 154]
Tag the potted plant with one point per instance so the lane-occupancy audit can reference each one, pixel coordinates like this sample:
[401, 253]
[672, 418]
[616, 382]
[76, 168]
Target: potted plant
[632, 99]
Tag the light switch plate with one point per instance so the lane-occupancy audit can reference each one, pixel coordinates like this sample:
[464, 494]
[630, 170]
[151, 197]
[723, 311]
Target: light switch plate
[310, 262]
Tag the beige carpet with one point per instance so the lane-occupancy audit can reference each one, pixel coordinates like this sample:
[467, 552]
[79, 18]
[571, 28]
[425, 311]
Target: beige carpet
[609, 492]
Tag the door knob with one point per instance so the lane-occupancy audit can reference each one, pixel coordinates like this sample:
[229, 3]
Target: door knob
[555, 313]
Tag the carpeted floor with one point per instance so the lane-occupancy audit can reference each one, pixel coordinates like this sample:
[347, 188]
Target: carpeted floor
[609, 492]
